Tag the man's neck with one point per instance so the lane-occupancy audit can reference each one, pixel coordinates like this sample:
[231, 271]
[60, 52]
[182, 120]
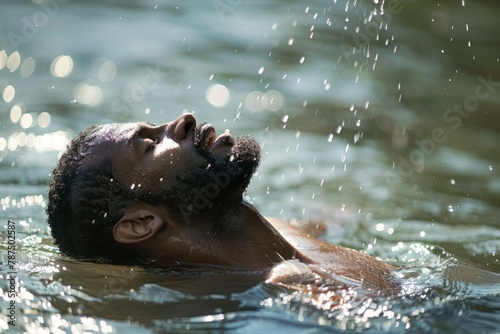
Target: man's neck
[252, 236]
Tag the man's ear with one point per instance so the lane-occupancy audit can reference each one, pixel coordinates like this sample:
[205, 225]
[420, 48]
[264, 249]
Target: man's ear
[137, 226]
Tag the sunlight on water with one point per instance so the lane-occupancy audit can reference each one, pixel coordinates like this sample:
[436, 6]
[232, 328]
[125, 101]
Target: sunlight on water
[346, 97]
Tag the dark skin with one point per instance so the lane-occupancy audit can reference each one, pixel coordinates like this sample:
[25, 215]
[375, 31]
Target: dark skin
[228, 231]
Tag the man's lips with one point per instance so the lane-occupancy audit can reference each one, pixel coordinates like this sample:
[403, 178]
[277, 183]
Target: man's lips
[206, 137]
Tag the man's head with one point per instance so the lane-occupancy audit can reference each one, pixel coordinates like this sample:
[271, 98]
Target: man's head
[119, 184]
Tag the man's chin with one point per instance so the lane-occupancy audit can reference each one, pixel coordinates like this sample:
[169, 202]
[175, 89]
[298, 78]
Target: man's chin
[246, 150]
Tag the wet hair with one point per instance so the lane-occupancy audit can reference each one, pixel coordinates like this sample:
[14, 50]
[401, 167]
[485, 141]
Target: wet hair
[84, 203]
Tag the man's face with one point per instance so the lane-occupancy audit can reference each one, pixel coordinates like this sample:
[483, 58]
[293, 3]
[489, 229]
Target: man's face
[179, 164]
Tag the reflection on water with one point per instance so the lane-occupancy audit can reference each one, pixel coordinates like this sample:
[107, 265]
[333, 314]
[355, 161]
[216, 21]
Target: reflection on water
[379, 119]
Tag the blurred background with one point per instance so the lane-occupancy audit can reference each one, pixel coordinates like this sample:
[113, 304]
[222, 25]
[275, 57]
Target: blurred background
[378, 118]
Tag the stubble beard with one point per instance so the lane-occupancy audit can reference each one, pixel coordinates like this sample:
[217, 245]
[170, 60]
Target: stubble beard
[205, 186]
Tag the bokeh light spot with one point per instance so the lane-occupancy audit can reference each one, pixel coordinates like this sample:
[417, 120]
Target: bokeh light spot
[61, 66]
[3, 59]
[3, 144]
[15, 113]
[217, 95]
[255, 101]
[274, 100]
[43, 119]
[13, 61]
[12, 143]
[27, 67]
[8, 93]
[87, 94]
[107, 71]
[26, 121]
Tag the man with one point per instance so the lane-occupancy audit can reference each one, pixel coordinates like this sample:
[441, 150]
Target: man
[172, 195]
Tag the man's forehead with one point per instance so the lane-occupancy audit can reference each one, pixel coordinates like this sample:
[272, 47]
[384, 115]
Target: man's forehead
[107, 140]
[116, 132]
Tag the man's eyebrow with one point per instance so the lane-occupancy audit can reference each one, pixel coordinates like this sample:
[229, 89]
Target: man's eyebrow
[137, 132]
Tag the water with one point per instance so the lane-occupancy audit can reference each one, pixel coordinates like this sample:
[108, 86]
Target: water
[378, 119]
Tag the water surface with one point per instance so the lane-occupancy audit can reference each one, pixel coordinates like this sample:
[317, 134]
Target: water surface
[379, 119]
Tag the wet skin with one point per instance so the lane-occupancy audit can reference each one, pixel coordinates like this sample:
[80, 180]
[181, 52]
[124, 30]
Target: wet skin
[210, 223]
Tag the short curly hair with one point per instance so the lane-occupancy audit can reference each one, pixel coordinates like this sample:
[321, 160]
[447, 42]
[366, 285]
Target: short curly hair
[84, 203]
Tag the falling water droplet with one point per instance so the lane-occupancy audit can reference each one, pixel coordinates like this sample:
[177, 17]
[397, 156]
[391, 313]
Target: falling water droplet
[450, 208]
[452, 181]
[330, 137]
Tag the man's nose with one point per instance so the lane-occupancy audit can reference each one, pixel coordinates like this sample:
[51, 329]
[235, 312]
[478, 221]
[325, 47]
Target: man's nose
[183, 125]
